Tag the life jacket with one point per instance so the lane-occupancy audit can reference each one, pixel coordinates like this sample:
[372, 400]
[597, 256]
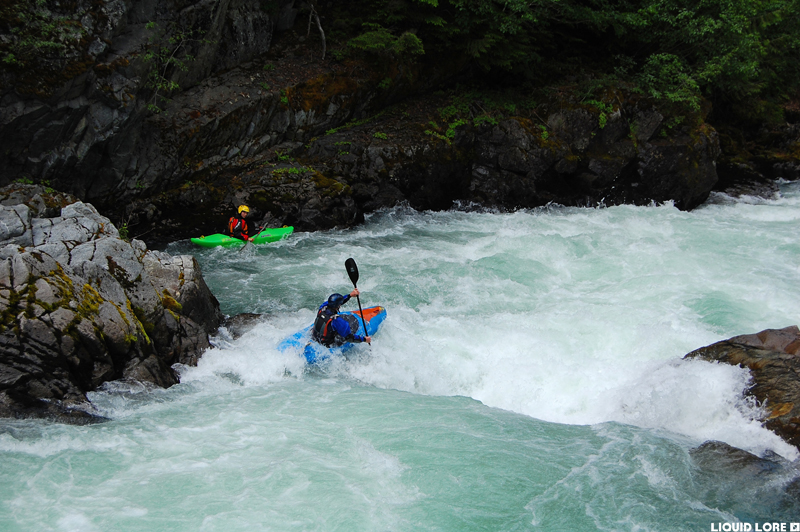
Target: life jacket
[323, 331]
[238, 226]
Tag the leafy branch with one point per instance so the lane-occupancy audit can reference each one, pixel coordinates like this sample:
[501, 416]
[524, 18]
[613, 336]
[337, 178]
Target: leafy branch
[167, 52]
[35, 34]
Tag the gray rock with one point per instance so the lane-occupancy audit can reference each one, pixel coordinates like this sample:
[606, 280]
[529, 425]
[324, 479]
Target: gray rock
[646, 124]
[15, 225]
[83, 307]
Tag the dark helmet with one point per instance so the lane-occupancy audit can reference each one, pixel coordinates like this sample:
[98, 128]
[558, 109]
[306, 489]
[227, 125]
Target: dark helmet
[335, 300]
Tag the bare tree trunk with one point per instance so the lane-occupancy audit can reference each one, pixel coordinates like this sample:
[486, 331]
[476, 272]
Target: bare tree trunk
[313, 15]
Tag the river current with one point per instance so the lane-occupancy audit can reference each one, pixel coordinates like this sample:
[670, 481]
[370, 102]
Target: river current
[529, 376]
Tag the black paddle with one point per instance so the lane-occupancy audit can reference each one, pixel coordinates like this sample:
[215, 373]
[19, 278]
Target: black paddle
[352, 271]
[257, 233]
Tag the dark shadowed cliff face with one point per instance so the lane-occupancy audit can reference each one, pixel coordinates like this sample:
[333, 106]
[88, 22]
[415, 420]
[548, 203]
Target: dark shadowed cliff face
[81, 118]
[254, 115]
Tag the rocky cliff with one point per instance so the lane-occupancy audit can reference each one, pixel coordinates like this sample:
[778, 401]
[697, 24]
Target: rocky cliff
[167, 116]
[81, 306]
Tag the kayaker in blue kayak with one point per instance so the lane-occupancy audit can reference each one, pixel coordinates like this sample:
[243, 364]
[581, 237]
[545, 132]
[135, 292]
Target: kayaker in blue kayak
[332, 329]
[237, 225]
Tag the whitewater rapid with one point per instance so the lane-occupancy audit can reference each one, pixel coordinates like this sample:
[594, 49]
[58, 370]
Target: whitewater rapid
[529, 376]
[574, 316]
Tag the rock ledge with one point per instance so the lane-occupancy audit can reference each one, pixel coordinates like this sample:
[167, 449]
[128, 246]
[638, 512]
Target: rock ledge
[79, 306]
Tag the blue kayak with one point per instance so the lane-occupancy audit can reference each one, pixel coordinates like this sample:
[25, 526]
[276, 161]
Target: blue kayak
[314, 352]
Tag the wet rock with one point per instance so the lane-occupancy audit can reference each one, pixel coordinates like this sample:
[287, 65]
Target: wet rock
[773, 358]
[240, 324]
[723, 459]
[79, 307]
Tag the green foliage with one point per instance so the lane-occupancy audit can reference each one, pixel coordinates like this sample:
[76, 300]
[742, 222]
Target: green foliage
[124, 232]
[451, 128]
[545, 134]
[167, 52]
[437, 135]
[379, 41]
[485, 119]
[665, 77]
[265, 86]
[381, 136]
[671, 123]
[292, 170]
[34, 33]
[675, 51]
[604, 109]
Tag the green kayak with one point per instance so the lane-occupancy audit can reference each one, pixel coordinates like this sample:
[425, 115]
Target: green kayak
[265, 236]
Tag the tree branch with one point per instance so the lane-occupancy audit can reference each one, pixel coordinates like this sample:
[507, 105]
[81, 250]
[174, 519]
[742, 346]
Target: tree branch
[313, 15]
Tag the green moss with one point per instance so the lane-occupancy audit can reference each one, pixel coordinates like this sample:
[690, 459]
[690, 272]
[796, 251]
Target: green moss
[90, 301]
[146, 326]
[330, 187]
[170, 303]
[8, 319]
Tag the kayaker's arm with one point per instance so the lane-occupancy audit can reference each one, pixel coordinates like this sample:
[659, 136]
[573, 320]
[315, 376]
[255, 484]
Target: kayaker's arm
[342, 328]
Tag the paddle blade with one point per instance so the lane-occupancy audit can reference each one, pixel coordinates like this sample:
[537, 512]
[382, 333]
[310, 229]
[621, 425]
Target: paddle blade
[352, 270]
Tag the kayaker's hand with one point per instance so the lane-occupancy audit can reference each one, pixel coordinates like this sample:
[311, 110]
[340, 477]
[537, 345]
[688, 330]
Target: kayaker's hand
[368, 339]
[250, 239]
[354, 293]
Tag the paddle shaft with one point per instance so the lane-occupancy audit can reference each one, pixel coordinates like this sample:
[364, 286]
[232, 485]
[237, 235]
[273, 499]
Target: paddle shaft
[352, 271]
[257, 233]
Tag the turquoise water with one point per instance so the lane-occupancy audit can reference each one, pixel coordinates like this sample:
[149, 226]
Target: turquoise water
[529, 376]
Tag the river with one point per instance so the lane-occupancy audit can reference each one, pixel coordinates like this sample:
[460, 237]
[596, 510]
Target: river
[529, 376]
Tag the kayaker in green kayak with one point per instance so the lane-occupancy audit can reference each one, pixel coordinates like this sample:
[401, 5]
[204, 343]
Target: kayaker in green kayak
[237, 225]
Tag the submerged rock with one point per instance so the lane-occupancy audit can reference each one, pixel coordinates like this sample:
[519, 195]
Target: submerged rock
[79, 306]
[720, 458]
[773, 358]
[240, 324]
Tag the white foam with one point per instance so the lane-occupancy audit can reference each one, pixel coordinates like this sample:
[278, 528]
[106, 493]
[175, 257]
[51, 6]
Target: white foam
[576, 316]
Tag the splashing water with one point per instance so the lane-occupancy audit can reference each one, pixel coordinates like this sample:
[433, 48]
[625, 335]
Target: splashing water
[529, 376]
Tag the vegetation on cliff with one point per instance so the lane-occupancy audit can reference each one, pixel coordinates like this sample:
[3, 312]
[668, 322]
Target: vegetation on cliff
[738, 53]
[167, 116]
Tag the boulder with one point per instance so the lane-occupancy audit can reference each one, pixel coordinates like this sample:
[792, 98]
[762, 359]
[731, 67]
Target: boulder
[79, 306]
[773, 358]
